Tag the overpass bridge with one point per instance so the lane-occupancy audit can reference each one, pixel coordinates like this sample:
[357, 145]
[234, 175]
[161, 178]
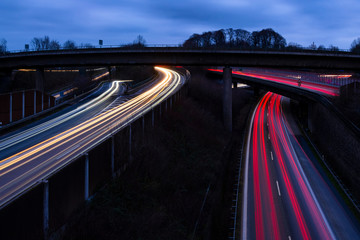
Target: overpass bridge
[177, 56]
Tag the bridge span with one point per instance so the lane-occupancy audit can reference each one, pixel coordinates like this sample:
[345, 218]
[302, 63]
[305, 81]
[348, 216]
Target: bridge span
[179, 56]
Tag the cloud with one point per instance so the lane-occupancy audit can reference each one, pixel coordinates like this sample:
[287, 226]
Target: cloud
[120, 21]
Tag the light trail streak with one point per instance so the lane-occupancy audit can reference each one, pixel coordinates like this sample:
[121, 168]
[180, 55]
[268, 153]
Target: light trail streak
[37, 162]
[302, 211]
[24, 135]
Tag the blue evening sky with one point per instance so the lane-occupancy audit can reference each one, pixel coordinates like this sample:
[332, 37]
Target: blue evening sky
[324, 22]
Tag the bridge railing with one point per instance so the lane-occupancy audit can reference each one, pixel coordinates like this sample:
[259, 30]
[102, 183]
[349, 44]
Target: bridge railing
[329, 50]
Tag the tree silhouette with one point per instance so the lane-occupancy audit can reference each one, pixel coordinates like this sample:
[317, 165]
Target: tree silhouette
[69, 44]
[3, 43]
[355, 46]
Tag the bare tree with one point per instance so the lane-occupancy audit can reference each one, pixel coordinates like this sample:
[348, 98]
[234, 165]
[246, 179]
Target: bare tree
[333, 48]
[69, 44]
[44, 43]
[140, 41]
[206, 38]
[242, 38]
[3, 43]
[312, 46]
[355, 46]
[193, 42]
[54, 45]
[231, 36]
[219, 38]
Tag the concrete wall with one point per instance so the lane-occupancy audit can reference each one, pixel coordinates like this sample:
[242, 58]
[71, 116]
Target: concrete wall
[39, 213]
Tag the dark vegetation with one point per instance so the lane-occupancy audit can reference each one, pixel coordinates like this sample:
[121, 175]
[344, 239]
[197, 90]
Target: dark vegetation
[265, 39]
[161, 193]
[348, 102]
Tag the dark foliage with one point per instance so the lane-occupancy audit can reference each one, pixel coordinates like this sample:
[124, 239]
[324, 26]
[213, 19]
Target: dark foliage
[237, 38]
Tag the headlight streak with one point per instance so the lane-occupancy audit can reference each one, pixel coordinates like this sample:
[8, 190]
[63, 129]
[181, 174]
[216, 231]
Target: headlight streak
[20, 137]
[84, 135]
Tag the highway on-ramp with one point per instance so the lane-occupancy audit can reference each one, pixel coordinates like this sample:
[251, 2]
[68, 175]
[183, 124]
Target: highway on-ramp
[24, 169]
[286, 195]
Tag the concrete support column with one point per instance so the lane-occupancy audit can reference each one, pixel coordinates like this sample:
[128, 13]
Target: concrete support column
[235, 84]
[86, 176]
[46, 209]
[40, 79]
[227, 99]
[42, 101]
[11, 107]
[113, 156]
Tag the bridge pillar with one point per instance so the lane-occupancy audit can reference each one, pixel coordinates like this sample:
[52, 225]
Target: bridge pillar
[46, 209]
[227, 99]
[235, 84]
[39, 85]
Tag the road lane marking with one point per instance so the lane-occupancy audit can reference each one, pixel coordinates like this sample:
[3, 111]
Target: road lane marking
[278, 188]
[271, 154]
[289, 237]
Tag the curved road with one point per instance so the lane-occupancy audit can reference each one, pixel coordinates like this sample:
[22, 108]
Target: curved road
[285, 195]
[24, 169]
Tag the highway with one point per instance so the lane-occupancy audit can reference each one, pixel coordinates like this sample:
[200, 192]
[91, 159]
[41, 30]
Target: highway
[39, 131]
[25, 168]
[286, 195]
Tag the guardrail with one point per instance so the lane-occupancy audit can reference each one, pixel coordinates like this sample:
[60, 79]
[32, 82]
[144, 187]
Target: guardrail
[47, 204]
[180, 46]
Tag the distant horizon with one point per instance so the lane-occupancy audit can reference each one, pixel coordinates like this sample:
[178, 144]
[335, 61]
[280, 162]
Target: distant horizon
[95, 42]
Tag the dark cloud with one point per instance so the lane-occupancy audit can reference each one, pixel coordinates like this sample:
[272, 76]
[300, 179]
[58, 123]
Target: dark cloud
[116, 22]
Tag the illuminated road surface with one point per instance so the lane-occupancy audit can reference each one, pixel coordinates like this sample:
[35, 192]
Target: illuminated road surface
[24, 169]
[285, 195]
[46, 128]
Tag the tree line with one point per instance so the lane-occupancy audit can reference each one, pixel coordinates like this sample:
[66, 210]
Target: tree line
[237, 38]
[266, 39]
[45, 43]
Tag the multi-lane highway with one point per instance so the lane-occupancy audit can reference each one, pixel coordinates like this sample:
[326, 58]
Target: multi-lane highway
[31, 164]
[286, 195]
[66, 118]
